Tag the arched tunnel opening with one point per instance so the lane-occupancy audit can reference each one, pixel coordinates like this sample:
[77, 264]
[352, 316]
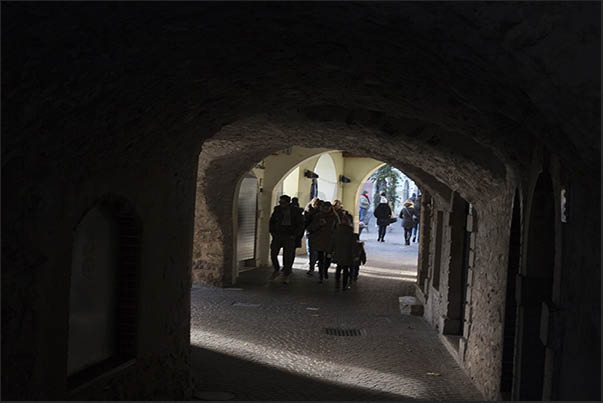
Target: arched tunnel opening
[136, 138]
[266, 323]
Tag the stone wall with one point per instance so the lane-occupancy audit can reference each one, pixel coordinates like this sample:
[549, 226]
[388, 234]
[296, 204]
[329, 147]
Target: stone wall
[485, 315]
[108, 99]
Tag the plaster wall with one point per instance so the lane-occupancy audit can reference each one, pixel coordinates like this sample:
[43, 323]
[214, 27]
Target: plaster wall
[277, 167]
[357, 169]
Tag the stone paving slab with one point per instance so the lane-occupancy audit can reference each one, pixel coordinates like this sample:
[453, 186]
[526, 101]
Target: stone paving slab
[279, 350]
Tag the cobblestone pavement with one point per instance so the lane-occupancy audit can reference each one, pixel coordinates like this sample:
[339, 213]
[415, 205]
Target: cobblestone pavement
[263, 340]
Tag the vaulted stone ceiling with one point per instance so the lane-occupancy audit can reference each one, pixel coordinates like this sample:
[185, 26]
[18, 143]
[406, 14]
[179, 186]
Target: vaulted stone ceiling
[486, 80]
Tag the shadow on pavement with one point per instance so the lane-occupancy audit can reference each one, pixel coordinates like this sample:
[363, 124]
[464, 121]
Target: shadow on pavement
[248, 380]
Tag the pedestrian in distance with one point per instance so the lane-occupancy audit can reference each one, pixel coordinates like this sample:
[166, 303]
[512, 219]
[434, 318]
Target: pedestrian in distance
[365, 204]
[406, 214]
[417, 218]
[286, 226]
[383, 213]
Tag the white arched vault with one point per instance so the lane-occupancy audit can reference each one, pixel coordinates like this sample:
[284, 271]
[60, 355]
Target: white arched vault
[358, 187]
[327, 178]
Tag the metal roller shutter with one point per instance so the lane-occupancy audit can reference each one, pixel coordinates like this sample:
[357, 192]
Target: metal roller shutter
[247, 219]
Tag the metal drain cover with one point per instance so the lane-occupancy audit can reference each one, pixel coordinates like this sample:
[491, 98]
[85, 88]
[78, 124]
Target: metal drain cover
[214, 396]
[333, 331]
[246, 304]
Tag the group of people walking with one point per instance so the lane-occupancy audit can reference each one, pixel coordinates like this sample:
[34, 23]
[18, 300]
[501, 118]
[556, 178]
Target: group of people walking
[409, 214]
[330, 239]
[330, 236]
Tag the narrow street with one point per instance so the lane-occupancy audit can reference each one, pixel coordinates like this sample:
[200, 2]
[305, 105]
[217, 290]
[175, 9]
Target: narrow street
[263, 340]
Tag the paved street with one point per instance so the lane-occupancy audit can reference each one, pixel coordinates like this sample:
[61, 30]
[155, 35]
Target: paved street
[263, 340]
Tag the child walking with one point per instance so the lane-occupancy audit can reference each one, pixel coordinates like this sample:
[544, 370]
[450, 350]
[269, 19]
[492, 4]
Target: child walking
[359, 257]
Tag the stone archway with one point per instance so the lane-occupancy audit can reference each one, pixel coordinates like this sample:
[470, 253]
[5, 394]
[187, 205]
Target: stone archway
[234, 151]
[366, 176]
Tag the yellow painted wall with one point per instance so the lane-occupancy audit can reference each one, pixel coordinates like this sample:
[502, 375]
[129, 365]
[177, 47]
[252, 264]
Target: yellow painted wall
[358, 170]
[276, 168]
[291, 183]
[339, 169]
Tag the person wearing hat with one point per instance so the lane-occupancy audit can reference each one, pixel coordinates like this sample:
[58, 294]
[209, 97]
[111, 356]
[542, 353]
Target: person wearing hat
[408, 223]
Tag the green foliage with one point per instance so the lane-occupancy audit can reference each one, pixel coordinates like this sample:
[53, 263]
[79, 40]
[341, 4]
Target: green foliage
[386, 180]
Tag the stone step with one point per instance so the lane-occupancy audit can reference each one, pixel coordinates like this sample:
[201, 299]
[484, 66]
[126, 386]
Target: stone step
[410, 305]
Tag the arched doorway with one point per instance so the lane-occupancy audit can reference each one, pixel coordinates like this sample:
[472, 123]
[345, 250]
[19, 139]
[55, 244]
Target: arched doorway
[506, 379]
[103, 297]
[246, 223]
[536, 288]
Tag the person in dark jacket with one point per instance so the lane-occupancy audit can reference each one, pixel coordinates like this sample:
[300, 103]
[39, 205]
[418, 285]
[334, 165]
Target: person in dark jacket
[383, 213]
[286, 226]
[406, 214]
[295, 204]
[321, 237]
[359, 257]
[343, 249]
[309, 212]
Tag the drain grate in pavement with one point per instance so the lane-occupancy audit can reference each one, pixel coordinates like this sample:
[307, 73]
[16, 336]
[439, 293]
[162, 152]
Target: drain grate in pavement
[334, 331]
[246, 304]
[214, 396]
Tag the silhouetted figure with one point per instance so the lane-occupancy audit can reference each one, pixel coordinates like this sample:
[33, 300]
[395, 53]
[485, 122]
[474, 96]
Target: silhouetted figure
[295, 203]
[343, 251]
[383, 213]
[286, 226]
[406, 214]
[321, 235]
[310, 211]
[359, 257]
[338, 209]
